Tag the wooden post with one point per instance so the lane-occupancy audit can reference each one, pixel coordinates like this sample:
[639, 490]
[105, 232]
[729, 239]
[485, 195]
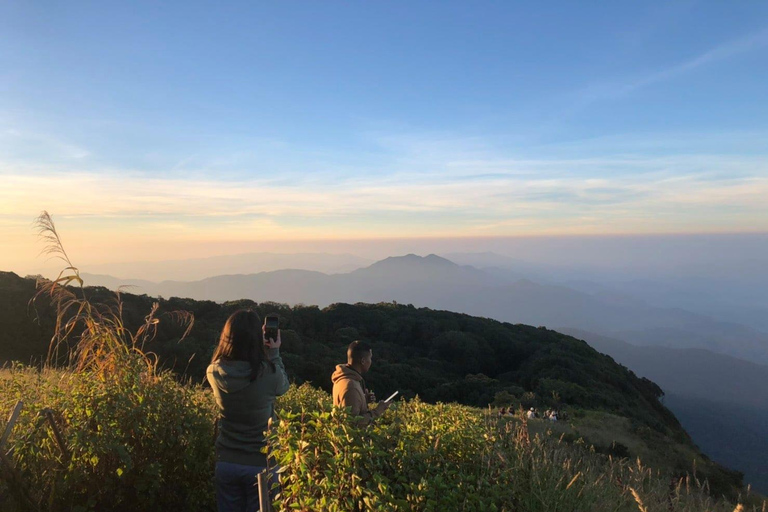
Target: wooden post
[265, 505]
[11, 423]
[57, 434]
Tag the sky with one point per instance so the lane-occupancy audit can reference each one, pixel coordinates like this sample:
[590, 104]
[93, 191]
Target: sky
[187, 129]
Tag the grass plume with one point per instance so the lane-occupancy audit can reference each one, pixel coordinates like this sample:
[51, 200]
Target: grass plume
[93, 336]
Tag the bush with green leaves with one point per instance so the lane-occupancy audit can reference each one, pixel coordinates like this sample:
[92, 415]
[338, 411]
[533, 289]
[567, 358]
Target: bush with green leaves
[424, 457]
[136, 441]
[144, 442]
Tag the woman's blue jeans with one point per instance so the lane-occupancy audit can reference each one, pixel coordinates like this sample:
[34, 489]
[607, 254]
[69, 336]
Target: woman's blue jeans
[237, 489]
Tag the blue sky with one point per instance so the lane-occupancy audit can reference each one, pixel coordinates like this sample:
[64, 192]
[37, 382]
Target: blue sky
[223, 121]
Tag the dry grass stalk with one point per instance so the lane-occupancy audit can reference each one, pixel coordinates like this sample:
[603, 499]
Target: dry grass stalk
[639, 500]
[573, 480]
[104, 339]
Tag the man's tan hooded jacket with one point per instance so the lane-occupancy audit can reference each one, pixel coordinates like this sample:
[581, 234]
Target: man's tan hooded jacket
[349, 391]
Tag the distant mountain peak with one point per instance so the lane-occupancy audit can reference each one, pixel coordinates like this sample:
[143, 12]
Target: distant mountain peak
[413, 261]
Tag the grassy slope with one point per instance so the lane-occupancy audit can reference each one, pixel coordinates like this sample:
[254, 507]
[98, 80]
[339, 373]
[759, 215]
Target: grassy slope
[438, 355]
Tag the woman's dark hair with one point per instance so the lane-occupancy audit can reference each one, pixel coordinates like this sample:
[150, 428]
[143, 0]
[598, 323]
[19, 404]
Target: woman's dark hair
[242, 340]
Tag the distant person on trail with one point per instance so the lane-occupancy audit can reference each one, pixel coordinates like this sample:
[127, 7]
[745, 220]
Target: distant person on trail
[531, 414]
[349, 387]
[246, 374]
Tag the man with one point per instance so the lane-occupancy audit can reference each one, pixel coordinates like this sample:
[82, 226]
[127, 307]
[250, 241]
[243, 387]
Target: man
[349, 387]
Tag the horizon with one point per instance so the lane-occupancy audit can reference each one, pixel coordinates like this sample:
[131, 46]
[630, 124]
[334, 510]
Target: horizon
[734, 256]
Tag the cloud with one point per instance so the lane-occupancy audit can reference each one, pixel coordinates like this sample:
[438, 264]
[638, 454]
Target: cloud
[547, 187]
[612, 90]
[120, 216]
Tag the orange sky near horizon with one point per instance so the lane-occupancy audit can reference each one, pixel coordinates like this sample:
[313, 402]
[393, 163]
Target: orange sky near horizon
[105, 218]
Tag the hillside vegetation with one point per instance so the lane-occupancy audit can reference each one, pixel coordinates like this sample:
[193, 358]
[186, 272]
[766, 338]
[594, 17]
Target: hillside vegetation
[439, 356]
[140, 440]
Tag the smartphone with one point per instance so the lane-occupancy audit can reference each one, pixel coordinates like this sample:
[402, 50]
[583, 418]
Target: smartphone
[392, 396]
[271, 325]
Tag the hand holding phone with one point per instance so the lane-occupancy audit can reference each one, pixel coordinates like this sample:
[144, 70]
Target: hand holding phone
[272, 342]
[384, 404]
[271, 325]
[271, 330]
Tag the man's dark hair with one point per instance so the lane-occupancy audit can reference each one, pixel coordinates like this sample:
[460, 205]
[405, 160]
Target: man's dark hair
[356, 350]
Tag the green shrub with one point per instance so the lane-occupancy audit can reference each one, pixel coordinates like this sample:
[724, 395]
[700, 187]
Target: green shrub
[425, 457]
[137, 441]
[145, 442]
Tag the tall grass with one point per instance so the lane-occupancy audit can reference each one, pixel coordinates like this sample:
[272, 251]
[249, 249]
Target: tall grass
[136, 438]
[102, 340]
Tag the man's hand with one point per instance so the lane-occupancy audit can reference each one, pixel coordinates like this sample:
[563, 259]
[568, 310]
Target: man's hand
[383, 406]
[269, 342]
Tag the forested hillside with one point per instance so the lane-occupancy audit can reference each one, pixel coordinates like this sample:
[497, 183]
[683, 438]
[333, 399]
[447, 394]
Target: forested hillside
[437, 355]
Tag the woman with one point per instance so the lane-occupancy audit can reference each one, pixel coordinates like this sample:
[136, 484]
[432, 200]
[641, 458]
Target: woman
[246, 374]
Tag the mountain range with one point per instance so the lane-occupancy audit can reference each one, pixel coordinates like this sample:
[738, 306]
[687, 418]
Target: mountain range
[724, 289]
[436, 282]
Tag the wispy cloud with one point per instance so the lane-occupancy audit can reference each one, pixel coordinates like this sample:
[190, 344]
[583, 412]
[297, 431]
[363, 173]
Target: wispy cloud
[418, 185]
[620, 88]
[112, 217]
[547, 187]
